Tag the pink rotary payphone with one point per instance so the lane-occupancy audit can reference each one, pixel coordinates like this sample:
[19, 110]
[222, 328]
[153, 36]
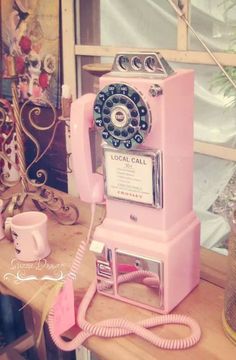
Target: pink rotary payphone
[147, 248]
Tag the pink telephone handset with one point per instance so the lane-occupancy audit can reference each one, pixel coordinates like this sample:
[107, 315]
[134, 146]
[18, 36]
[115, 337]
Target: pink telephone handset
[90, 185]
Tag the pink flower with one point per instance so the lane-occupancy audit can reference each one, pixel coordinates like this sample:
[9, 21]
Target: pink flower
[43, 80]
[25, 44]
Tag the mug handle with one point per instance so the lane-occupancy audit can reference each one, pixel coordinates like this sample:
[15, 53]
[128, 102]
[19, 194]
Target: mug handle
[7, 228]
[39, 242]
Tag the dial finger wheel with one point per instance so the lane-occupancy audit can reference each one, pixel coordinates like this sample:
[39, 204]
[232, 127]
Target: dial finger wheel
[122, 115]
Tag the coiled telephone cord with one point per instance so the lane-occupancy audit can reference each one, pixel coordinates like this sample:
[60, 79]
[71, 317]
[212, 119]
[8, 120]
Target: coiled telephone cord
[119, 327]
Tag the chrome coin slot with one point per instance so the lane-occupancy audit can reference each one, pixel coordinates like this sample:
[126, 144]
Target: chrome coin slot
[123, 63]
[150, 64]
[136, 63]
[145, 63]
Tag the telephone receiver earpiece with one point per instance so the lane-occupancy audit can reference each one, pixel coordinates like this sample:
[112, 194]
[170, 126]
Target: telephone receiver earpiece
[89, 184]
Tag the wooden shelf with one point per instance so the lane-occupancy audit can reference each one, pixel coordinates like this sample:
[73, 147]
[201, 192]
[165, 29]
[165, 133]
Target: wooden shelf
[97, 69]
[204, 304]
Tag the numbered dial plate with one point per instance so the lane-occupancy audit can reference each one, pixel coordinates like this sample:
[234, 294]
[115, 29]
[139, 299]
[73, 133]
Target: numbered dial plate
[122, 115]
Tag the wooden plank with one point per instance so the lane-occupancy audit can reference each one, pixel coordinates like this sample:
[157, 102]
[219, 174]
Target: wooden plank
[182, 27]
[97, 69]
[11, 354]
[192, 57]
[213, 267]
[78, 59]
[205, 303]
[19, 345]
[69, 67]
[221, 152]
[89, 34]
[33, 326]
[68, 41]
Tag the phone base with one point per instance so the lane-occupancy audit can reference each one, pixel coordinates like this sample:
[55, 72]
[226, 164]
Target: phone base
[155, 275]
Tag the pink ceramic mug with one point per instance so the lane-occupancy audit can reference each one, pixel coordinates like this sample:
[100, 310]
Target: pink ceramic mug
[29, 232]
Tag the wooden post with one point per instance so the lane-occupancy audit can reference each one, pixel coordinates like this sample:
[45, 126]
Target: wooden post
[89, 35]
[69, 71]
[68, 44]
[182, 28]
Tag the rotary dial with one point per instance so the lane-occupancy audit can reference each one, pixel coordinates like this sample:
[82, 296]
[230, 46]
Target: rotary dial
[122, 115]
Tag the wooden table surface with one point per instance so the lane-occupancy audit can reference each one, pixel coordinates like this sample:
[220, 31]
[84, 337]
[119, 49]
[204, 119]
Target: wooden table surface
[204, 304]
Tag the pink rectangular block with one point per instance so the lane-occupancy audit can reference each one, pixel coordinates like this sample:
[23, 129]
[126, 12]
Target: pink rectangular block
[64, 309]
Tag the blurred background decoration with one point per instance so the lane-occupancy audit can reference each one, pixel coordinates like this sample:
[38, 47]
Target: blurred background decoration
[16, 124]
[30, 49]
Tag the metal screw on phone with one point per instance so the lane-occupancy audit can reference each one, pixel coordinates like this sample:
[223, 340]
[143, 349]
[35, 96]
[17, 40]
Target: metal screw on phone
[155, 90]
